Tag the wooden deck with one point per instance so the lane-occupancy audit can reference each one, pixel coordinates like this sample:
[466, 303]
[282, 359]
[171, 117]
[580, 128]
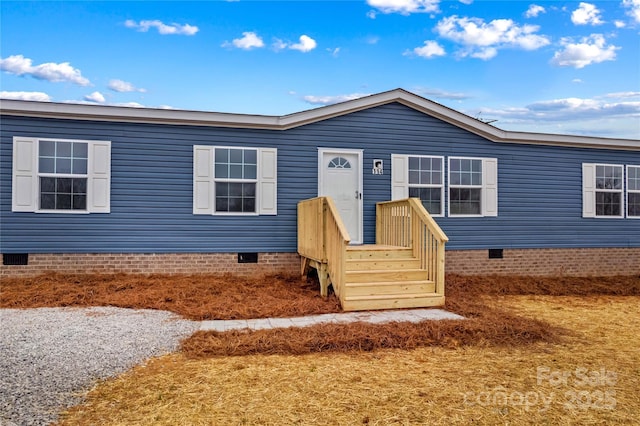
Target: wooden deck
[405, 269]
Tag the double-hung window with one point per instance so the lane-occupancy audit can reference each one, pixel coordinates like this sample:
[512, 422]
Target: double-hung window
[61, 175]
[472, 183]
[602, 190]
[465, 186]
[426, 182]
[633, 191]
[236, 177]
[234, 180]
[473, 186]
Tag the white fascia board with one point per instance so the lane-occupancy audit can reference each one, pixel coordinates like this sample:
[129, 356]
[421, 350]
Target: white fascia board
[134, 115]
[216, 119]
[571, 141]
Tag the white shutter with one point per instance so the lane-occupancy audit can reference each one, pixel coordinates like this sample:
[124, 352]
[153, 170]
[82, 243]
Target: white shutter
[588, 190]
[267, 182]
[25, 175]
[202, 179]
[399, 177]
[99, 178]
[490, 187]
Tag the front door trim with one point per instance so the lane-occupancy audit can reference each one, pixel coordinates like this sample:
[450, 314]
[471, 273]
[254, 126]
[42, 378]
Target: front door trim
[337, 151]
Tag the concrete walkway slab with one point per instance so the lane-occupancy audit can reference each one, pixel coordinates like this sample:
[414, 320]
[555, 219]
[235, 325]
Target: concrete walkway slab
[372, 317]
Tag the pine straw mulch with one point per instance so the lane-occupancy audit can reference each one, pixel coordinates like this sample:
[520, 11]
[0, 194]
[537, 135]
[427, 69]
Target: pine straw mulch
[202, 297]
[196, 297]
[486, 323]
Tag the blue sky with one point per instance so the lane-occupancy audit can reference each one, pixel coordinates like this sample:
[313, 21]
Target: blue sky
[546, 66]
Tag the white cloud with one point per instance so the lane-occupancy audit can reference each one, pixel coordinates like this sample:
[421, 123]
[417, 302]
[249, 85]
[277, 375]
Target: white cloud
[26, 96]
[430, 49]
[613, 115]
[279, 45]
[633, 7]
[123, 86]
[466, 1]
[619, 24]
[372, 40]
[50, 71]
[577, 81]
[95, 97]
[586, 13]
[130, 105]
[306, 44]
[162, 28]
[329, 100]
[334, 52]
[404, 7]
[248, 41]
[534, 10]
[621, 95]
[589, 50]
[482, 40]
[441, 94]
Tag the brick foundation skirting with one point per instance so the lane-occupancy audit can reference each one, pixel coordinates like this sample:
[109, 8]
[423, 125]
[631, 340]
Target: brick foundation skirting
[153, 263]
[540, 262]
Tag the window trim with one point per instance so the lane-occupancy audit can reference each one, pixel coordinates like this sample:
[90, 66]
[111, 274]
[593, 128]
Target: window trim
[489, 197]
[236, 180]
[627, 191]
[441, 186]
[26, 176]
[204, 181]
[488, 187]
[40, 175]
[589, 190]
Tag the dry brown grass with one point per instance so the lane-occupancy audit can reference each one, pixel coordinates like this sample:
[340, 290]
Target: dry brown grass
[482, 385]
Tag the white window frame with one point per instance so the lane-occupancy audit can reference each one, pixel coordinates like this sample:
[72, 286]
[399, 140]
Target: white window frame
[441, 185]
[589, 190]
[488, 187]
[26, 176]
[204, 180]
[629, 191]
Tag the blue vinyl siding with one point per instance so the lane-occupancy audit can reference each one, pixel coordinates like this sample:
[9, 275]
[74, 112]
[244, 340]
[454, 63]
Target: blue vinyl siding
[539, 187]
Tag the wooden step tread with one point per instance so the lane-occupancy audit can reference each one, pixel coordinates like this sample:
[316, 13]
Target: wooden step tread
[389, 283]
[391, 296]
[366, 247]
[376, 264]
[373, 271]
[423, 301]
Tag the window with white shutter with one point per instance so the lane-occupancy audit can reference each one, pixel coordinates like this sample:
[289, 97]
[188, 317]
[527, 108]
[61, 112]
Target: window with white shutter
[61, 175]
[602, 190]
[234, 180]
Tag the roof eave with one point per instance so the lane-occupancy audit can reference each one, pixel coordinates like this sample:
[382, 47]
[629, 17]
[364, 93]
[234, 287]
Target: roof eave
[216, 119]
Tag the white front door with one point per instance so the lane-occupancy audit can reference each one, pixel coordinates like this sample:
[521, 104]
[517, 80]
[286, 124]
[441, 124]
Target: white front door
[340, 177]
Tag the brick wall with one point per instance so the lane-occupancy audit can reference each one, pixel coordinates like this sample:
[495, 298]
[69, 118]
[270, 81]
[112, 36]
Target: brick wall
[568, 262]
[150, 263]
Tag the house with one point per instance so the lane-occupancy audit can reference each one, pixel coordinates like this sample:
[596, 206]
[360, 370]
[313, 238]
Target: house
[90, 187]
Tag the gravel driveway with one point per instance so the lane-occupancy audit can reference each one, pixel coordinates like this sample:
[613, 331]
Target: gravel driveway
[49, 357]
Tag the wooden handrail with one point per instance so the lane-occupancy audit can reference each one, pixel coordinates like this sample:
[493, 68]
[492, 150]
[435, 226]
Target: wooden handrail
[323, 238]
[407, 223]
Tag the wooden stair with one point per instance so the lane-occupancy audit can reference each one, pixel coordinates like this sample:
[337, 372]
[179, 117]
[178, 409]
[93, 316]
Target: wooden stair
[386, 277]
